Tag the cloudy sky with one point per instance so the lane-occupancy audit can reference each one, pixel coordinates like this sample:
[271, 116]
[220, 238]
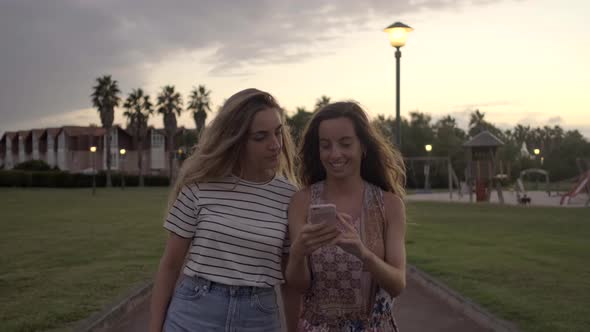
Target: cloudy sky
[519, 61]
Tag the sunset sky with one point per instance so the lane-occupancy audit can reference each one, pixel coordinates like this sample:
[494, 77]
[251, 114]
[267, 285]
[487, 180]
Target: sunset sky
[522, 62]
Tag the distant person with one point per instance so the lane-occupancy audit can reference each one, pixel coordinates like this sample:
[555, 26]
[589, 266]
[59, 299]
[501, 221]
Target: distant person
[228, 213]
[349, 271]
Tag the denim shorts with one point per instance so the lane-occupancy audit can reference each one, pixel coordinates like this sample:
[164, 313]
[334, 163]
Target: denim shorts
[201, 305]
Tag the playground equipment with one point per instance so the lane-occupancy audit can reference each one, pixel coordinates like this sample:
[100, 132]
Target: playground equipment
[431, 165]
[482, 166]
[581, 186]
[521, 194]
[523, 176]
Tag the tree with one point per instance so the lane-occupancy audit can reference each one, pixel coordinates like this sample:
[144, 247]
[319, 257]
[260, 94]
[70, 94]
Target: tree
[298, 122]
[321, 102]
[449, 138]
[520, 134]
[105, 97]
[170, 106]
[139, 108]
[199, 102]
[385, 126]
[419, 133]
[477, 124]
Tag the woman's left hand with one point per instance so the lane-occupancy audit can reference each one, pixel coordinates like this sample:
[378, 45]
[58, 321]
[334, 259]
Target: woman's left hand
[349, 239]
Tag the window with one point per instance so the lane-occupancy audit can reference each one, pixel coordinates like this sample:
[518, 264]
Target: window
[157, 140]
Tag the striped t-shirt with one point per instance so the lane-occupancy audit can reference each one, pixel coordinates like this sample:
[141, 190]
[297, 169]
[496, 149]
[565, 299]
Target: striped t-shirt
[238, 228]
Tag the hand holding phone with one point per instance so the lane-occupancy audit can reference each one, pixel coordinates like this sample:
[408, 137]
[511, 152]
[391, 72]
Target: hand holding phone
[322, 213]
[320, 230]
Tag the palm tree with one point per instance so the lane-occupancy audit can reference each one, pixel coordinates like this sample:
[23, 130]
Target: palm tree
[105, 98]
[476, 122]
[139, 108]
[199, 102]
[170, 106]
[321, 102]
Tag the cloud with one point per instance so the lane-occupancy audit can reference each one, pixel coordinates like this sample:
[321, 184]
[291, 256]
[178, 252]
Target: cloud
[53, 50]
[555, 120]
[470, 107]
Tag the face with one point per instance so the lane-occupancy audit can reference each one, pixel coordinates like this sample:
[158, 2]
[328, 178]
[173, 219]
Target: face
[264, 143]
[340, 148]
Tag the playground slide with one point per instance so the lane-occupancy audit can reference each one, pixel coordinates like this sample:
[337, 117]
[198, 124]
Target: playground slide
[577, 189]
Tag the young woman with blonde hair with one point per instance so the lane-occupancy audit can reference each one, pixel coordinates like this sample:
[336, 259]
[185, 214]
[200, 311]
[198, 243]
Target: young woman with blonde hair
[228, 213]
[349, 270]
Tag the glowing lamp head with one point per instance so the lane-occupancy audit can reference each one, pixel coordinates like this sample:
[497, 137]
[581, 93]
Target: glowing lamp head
[398, 34]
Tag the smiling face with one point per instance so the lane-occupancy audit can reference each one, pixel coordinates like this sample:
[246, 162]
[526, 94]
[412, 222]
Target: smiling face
[340, 149]
[264, 141]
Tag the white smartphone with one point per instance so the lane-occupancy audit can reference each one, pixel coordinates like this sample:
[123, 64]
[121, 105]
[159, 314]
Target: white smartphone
[322, 213]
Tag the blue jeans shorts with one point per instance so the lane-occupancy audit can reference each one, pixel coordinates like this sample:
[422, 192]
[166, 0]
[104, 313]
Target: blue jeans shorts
[201, 305]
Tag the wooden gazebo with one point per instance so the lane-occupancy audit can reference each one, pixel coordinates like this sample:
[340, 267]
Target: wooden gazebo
[482, 161]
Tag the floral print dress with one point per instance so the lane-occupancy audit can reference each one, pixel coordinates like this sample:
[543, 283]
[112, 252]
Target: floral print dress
[343, 296]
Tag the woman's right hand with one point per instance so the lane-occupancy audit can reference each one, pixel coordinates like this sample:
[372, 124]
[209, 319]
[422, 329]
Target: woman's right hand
[313, 237]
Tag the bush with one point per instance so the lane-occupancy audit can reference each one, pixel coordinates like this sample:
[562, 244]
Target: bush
[156, 180]
[59, 179]
[33, 165]
[13, 178]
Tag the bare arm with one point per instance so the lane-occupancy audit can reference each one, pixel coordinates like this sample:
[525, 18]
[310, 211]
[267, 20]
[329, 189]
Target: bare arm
[168, 273]
[391, 272]
[291, 301]
[297, 271]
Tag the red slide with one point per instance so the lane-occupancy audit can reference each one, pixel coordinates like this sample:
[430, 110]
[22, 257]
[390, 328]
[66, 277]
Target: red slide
[577, 188]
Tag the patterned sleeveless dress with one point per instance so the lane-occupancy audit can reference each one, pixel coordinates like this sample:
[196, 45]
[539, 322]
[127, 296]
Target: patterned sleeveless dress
[343, 296]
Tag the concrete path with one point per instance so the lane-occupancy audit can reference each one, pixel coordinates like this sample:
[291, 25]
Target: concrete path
[538, 198]
[416, 310]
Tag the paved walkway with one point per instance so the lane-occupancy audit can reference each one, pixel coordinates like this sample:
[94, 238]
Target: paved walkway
[416, 310]
[538, 198]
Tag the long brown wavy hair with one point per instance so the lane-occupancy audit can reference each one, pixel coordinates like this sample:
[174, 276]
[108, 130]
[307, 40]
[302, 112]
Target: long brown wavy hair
[382, 164]
[220, 147]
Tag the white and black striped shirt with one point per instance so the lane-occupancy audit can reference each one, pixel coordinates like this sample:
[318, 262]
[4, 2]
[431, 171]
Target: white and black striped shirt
[239, 229]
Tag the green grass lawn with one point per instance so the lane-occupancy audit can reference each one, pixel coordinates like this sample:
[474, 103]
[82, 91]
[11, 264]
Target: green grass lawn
[66, 254]
[526, 265]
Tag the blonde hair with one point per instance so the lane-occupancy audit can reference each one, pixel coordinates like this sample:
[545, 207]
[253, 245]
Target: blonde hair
[382, 164]
[219, 148]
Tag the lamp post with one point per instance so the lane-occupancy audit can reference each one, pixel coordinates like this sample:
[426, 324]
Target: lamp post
[398, 33]
[122, 153]
[428, 148]
[93, 153]
[537, 152]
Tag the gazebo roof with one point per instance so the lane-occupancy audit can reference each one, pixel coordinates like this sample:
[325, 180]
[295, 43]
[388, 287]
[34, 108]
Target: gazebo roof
[484, 139]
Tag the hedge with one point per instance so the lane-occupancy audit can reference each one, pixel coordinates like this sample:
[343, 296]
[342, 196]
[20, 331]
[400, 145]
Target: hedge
[60, 179]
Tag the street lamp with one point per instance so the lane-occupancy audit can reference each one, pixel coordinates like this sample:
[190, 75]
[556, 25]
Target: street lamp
[93, 153]
[122, 153]
[398, 33]
[428, 148]
[537, 152]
